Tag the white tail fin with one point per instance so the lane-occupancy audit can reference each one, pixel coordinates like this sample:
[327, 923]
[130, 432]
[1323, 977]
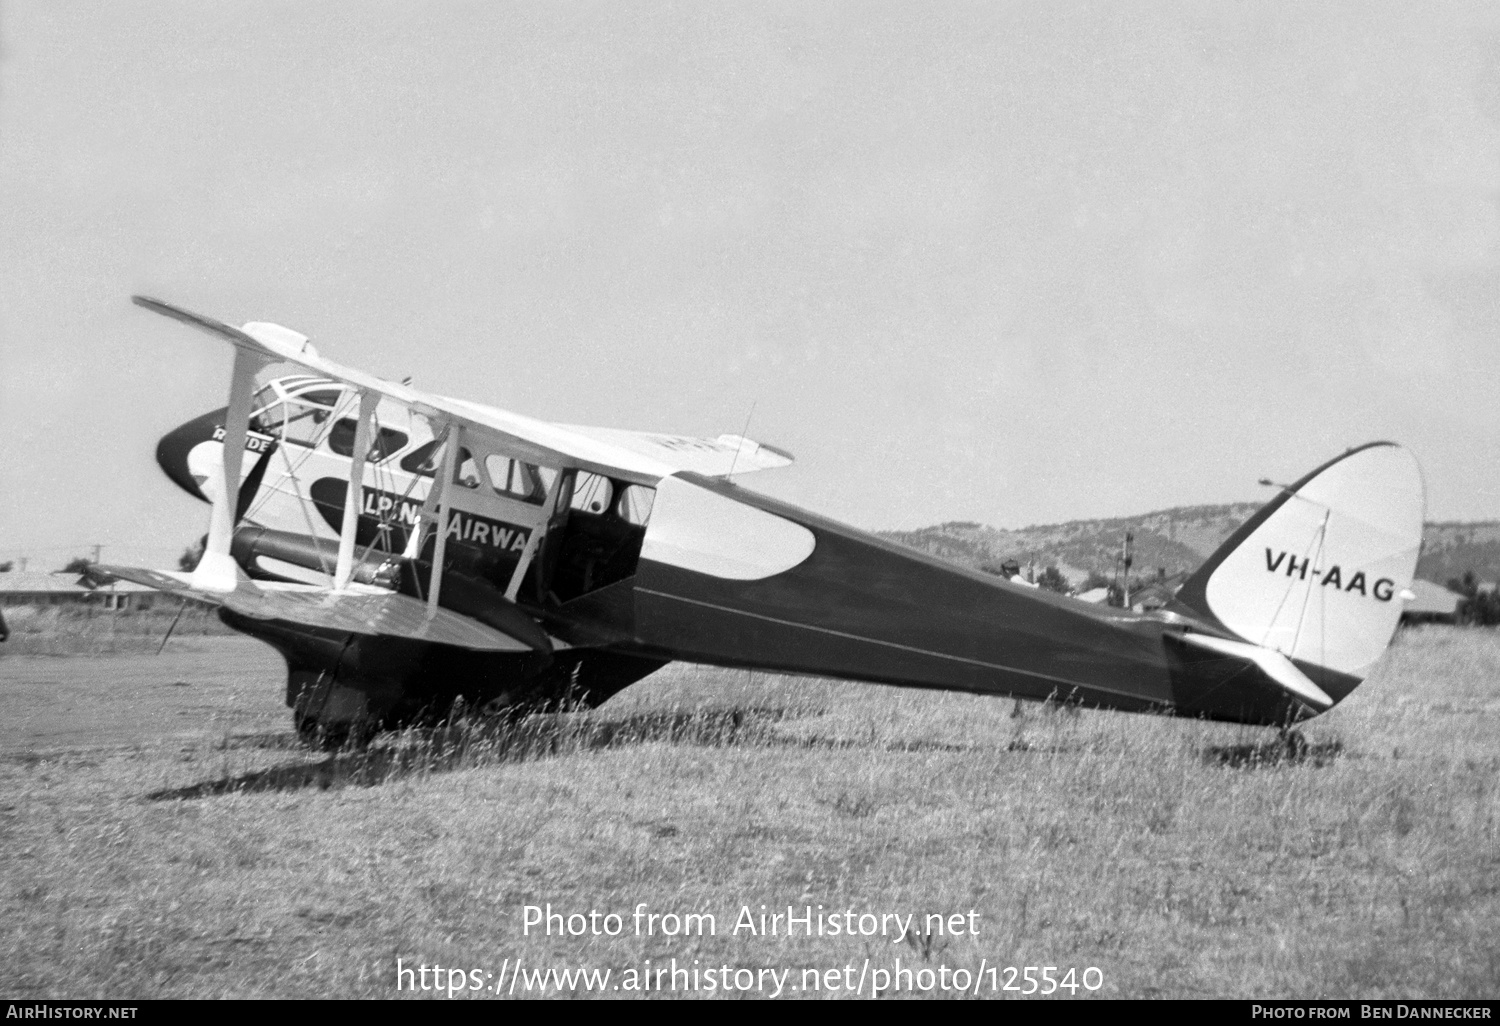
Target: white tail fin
[1317, 574]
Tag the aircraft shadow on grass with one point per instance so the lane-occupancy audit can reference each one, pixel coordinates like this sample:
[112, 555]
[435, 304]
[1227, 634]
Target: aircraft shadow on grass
[471, 744]
[1292, 750]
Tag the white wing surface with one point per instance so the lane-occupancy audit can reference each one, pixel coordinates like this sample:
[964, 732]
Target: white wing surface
[641, 457]
[711, 457]
[357, 609]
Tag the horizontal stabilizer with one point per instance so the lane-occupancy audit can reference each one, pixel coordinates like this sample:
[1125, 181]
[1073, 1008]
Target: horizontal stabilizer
[1272, 663]
[357, 610]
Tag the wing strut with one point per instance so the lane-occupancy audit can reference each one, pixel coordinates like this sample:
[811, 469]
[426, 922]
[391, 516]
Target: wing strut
[455, 434]
[534, 539]
[418, 537]
[216, 571]
[354, 498]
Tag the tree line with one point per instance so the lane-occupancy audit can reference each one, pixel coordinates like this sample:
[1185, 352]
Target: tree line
[1478, 607]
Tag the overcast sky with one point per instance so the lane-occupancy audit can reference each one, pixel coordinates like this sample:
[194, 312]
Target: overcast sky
[1009, 263]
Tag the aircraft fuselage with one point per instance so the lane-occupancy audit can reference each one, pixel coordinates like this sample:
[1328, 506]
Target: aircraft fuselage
[858, 607]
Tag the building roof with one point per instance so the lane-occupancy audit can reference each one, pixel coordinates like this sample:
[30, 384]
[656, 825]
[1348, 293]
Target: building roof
[34, 582]
[124, 588]
[1432, 599]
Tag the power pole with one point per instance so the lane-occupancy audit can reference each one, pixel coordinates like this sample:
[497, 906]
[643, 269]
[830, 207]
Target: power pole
[1125, 553]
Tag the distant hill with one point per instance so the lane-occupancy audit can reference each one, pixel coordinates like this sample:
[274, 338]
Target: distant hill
[1172, 540]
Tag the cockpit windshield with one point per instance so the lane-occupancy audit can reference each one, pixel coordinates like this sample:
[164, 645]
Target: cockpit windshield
[294, 410]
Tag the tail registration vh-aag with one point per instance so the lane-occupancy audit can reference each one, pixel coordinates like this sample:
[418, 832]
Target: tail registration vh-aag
[524, 565]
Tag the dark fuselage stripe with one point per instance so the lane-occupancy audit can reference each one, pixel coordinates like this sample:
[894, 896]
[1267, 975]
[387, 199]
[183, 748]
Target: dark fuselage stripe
[892, 644]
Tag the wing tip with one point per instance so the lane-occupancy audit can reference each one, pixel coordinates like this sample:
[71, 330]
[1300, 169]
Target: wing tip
[741, 444]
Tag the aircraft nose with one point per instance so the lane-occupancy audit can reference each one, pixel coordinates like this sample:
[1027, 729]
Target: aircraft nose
[173, 449]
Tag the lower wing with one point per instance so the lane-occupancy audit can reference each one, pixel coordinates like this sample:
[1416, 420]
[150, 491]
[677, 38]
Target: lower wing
[356, 610]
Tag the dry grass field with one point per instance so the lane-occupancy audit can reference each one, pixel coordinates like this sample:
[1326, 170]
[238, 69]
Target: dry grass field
[161, 835]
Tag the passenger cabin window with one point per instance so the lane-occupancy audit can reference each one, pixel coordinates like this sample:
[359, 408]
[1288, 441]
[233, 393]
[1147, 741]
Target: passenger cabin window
[422, 460]
[466, 471]
[515, 480]
[634, 504]
[387, 442]
[592, 493]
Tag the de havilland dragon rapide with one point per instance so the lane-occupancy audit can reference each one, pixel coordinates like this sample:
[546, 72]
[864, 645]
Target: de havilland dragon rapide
[404, 550]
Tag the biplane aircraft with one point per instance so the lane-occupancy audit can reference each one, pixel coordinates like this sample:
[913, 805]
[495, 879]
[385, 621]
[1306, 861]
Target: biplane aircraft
[403, 551]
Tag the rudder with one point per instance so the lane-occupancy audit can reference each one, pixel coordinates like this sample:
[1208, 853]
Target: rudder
[1318, 573]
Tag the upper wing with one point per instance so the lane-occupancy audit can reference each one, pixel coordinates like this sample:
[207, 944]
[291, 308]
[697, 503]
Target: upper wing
[711, 457]
[640, 457]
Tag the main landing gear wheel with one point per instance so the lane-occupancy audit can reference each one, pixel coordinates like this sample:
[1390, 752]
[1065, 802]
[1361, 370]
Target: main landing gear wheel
[312, 692]
[317, 735]
[330, 737]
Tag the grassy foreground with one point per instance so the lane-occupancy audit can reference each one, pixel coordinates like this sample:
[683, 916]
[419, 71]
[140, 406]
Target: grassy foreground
[1181, 859]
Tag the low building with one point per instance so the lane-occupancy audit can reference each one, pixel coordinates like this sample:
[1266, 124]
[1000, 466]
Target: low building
[125, 595]
[1157, 593]
[1433, 604]
[34, 588]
